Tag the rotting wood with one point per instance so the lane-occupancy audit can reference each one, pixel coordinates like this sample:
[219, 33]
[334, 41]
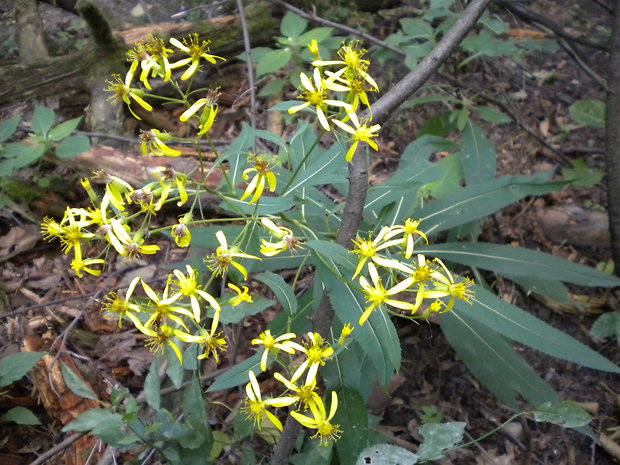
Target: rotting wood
[57, 75]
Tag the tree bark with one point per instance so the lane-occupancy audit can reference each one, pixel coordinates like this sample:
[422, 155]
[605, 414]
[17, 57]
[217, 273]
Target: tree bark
[31, 40]
[612, 140]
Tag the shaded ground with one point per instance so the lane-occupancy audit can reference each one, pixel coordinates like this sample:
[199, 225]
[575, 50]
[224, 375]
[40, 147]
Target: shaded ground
[545, 84]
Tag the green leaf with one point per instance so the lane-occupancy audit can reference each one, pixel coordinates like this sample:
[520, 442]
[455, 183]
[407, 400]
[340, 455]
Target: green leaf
[353, 420]
[607, 325]
[21, 416]
[64, 129]
[386, 454]
[342, 258]
[194, 409]
[76, 384]
[519, 261]
[42, 120]
[283, 291]
[273, 87]
[26, 155]
[493, 361]
[479, 201]
[237, 375]
[582, 175]
[72, 146]
[492, 115]
[234, 315]
[292, 25]
[273, 61]
[152, 385]
[416, 28]
[8, 127]
[566, 414]
[554, 290]
[589, 113]
[314, 173]
[95, 420]
[439, 437]
[318, 33]
[17, 365]
[478, 155]
[516, 324]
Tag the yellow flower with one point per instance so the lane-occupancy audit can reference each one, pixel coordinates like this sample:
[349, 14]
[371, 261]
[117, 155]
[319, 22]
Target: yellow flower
[196, 50]
[115, 189]
[353, 64]
[182, 235]
[72, 232]
[369, 250]
[212, 342]
[313, 47]
[154, 142]
[207, 117]
[256, 408]
[153, 58]
[376, 295]
[112, 303]
[317, 352]
[123, 91]
[408, 230]
[127, 246]
[287, 240]
[166, 175]
[263, 166]
[160, 337]
[79, 266]
[304, 395]
[224, 257]
[446, 286]
[345, 334]
[325, 430]
[188, 286]
[279, 343]
[242, 295]
[315, 95]
[162, 308]
[361, 133]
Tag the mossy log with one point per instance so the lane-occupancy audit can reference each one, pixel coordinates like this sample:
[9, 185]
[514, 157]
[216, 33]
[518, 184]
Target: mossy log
[75, 72]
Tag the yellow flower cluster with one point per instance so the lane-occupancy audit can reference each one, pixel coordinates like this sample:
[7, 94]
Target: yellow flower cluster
[389, 257]
[176, 314]
[300, 391]
[349, 86]
[108, 220]
[150, 59]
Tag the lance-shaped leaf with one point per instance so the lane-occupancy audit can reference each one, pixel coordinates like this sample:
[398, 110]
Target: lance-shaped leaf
[283, 291]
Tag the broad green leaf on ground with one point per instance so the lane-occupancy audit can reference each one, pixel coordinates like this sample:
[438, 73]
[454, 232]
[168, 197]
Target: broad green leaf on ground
[273, 61]
[42, 120]
[64, 129]
[606, 326]
[492, 114]
[8, 127]
[494, 362]
[72, 146]
[76, 384]
[482, 200]
[589, 113]
[21, 416]
[194, 410]
[439, 437]
[519, 261]
[565, 414]
[292, 25]
[152, 385]
[23, 155]
[477, 155]
[283, 291]
[237, 375]
[13, 367]
[352, 417]
[386, 454]
[510, 321]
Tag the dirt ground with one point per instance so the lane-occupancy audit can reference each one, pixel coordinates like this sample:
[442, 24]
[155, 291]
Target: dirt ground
[546, 83]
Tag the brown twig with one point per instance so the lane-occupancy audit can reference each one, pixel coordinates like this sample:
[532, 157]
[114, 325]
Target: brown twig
[250, 69]
[56, 449]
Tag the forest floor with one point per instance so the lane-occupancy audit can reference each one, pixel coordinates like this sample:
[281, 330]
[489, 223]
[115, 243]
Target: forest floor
[537, 88]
